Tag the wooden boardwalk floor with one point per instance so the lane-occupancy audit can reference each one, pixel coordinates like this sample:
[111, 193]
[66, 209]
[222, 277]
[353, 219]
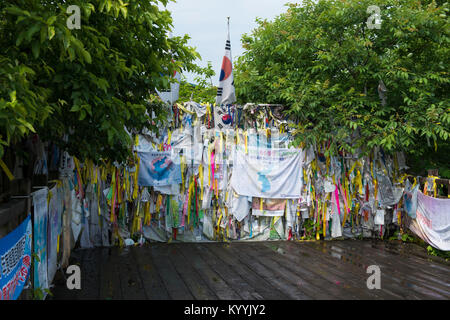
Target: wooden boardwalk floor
[255, 271]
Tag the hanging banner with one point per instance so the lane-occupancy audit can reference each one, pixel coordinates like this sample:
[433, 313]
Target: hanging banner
[268, 207]
[15, 260]
[158, 169]
[432, 222]
[55, 209]
[40, 238]
[268, 173]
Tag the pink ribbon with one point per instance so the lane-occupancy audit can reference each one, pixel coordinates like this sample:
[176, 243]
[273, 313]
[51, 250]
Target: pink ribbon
[186, 201]
[337, 200]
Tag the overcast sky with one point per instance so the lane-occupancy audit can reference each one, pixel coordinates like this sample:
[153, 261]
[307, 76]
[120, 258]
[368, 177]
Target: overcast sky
[205, 21]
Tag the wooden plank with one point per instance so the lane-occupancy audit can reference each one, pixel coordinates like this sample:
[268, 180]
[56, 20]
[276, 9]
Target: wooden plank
[400, 267]
[232, 278]
[110, 287]
[391, 286]
[412, 253]
[390, 252]
[174, 284]
[314, 281]
[390, 277]
[60, 291]
[191, 278]
[275, 274]
[76, 258]
[261, 285]
[151, 280]
[254, 270]
[90, 274]
[130, 279]
[346, 277]
[212, 278]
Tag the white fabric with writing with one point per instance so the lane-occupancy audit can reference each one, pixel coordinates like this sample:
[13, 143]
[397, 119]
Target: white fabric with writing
[268, 173]
[432, 222]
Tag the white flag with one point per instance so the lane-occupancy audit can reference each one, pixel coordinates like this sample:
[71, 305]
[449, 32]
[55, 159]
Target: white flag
[225, 91]
[268, 173]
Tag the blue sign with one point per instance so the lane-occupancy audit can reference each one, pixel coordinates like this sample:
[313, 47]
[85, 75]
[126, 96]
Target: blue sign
[15, 260]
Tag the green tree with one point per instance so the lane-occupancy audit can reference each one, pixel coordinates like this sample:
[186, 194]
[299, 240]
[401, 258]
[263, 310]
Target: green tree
[322, 61]
[89, 83]
[200, 91]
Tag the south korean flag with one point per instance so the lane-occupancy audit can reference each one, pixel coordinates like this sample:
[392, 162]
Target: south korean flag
[225, 92]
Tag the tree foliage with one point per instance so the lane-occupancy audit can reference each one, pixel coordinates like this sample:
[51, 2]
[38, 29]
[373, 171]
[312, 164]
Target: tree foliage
[322, 61]
[88, 83]
[200, 91]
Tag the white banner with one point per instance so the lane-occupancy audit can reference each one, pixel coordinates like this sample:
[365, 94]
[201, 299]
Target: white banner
[432, 222]
[40, 238]
[55, 210]
[268, 173]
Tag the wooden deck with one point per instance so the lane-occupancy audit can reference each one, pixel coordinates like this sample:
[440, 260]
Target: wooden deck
[255, 271]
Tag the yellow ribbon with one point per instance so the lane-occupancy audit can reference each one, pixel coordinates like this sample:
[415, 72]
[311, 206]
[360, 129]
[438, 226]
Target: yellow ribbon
[182, 163]
[376, 191]
[170, 137]
[246, 142]
[158, 203]
[434, 184]
[184, 109]
[220, 218]
[136, 172]
[77, 165]
[371, 168]
[200, 175]
[190, 194]
[181, 122]
[327, 163]
[98, 195]
[147, 214]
